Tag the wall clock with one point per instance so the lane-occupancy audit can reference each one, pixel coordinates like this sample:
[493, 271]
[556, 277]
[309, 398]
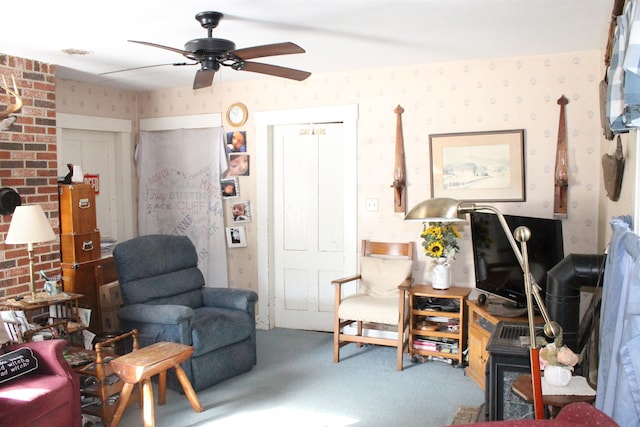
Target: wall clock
[237, 114]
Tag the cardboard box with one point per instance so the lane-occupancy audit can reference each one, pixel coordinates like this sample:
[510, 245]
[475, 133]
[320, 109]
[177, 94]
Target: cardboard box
[110, 296]
[109, 321]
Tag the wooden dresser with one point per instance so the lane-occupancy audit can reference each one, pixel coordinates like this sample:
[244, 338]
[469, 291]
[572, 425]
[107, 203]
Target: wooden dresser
[84, 270]
[79, 234]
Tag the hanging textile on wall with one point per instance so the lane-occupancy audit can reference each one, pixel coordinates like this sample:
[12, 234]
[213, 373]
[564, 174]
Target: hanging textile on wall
[179, 193]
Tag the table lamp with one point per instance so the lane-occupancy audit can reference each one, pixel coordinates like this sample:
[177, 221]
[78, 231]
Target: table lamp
[449, 210]
[29, 225]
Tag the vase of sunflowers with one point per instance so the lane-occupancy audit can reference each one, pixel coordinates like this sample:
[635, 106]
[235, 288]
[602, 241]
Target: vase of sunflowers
[440, 241]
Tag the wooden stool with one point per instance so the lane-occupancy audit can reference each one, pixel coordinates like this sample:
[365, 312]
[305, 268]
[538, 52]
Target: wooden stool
[523, 387]
[140, 365]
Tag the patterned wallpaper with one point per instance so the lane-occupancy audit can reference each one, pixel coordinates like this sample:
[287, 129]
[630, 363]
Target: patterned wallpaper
[91, 100]
[466, 96]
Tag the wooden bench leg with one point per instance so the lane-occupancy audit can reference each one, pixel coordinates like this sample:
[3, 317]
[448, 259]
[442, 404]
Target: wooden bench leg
[162, 388]
[147, 405]
[125, 393]
[188, 389]
[140, 395]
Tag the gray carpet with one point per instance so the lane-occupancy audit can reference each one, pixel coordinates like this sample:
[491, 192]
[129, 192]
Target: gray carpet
[296, 383]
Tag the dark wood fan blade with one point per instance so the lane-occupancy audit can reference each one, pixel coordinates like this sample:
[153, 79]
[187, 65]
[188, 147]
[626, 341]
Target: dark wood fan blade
[172, 49]
[204, 78]
[286, 48]
[275, 70]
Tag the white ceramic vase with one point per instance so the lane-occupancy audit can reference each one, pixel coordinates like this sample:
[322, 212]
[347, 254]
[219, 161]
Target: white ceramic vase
[441, 278]
[78, 175]
[558, 376]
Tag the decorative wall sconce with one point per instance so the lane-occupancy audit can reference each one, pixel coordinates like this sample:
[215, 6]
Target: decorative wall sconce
[399, 172]
[561, 175]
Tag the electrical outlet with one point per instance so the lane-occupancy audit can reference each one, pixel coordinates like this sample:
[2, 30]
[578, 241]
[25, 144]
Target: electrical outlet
[372, 205]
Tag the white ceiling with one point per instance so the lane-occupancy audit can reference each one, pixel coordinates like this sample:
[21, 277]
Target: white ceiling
[337, 35]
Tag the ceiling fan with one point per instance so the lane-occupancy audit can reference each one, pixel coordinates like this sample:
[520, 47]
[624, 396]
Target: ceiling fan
[212, 52]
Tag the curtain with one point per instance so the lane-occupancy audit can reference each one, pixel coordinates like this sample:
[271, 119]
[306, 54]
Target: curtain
[179, 192]
[618, 393]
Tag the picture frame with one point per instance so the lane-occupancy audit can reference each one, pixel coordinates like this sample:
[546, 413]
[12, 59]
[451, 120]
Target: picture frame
[236, 141]
[230, 188]
[236, 237]
[478, 166]
[240, 211]
[239, 164]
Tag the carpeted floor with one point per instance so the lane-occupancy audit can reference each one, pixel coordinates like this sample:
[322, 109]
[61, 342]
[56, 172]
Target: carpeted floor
[296, 383]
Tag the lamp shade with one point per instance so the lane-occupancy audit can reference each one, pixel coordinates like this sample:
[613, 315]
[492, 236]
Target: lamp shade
[437, 210]
[29, 224]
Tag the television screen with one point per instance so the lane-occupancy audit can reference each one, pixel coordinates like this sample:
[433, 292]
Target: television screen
[497, 269]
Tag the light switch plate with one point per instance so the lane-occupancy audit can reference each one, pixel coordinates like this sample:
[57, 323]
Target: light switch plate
[372, 205]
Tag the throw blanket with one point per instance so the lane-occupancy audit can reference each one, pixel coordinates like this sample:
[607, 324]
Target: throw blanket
[179, 174]
[618, 392]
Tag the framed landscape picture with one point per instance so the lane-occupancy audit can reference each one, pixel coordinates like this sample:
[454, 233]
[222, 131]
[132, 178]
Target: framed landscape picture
[478, 166]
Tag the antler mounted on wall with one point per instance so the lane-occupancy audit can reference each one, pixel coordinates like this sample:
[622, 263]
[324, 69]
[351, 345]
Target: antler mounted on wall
[14, 103]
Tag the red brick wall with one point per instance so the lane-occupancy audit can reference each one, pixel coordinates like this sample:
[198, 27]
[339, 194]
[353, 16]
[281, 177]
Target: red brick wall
[28, 164]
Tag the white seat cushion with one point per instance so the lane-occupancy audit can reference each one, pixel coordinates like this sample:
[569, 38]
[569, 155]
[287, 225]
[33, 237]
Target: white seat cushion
[370, 309]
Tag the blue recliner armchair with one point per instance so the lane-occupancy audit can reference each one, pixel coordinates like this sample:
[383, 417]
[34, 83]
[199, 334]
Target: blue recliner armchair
[165, 298]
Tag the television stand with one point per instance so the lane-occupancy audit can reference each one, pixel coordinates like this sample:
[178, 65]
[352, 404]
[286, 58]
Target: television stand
[481, 324]
[505, 309]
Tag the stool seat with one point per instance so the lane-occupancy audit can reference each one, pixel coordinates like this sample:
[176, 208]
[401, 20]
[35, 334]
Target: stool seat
[140, 365]
[523, 387]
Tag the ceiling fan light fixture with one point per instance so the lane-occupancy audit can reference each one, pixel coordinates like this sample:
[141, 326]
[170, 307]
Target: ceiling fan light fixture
[210, 63]
[209, 20]
[209, 45]
[212, 52]
[237, 64]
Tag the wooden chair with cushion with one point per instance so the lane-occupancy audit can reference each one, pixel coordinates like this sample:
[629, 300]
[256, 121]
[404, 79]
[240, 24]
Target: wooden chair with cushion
[380, 300]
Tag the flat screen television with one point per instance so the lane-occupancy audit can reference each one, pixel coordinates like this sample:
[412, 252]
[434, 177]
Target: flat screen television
[497, 269]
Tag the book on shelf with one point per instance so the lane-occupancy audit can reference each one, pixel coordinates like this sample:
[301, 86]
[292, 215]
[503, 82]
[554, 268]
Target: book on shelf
[420, 345]
[442, 345]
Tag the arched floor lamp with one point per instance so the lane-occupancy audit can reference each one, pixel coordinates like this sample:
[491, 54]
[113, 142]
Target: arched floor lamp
[451, 210]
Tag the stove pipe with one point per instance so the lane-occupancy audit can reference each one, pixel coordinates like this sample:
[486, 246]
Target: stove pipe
[564, 281]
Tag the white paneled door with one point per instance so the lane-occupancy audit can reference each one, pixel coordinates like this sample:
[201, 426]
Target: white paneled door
[95, 151]
[309, 245]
